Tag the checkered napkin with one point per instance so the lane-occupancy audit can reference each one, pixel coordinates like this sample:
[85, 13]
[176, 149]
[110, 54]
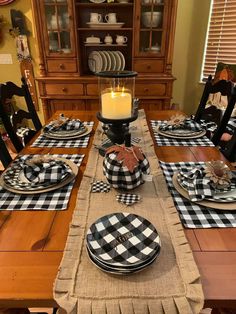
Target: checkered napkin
[193, 215]
[49, 171]
[43, 141]
[100, 187]
[128, 199]
[69, 124]
[54, 200]
[166, 141]
[188, 124]
[197, 184]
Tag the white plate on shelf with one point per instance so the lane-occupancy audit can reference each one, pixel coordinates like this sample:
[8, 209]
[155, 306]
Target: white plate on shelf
[104, 60]
[113, 61]
[108, 60]
[118, 61]
[122, 60]
[97, 1]
[95, 62]
[104, 25]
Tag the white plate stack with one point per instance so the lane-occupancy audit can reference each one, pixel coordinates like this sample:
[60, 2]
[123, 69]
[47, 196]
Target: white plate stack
[106, 61]
[122, 243]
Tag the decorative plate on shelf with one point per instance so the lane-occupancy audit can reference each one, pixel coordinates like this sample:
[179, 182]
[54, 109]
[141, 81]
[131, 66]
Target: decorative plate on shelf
[97, 1]
[105, 25]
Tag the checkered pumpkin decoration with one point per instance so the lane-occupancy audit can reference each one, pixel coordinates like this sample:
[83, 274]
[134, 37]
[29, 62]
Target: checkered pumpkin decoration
[120, 177]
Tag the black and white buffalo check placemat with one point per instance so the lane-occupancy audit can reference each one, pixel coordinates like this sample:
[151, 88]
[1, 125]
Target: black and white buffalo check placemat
[191, 214]
[43, 141]
[54, 200]
[166, 141]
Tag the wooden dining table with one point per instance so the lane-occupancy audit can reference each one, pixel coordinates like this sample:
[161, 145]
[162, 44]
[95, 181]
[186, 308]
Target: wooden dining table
[32, 242]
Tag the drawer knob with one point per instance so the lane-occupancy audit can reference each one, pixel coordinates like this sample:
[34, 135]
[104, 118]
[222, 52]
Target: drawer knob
[148, 67]
[146, 90]
[64, 89]
[61, 66]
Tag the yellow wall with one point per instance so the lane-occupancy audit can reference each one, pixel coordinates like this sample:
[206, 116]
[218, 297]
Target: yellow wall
[192, 18]
[11, 72]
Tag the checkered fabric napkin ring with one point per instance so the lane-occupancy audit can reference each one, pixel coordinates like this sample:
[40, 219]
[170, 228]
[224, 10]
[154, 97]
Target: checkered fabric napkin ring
[51, 171]
[128, 199]
[67, 125]
[100, 187]
[197, 185]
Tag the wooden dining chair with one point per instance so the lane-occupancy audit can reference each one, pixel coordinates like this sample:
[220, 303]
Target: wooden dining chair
[228, 148]
[212, 113]
[5, 156]
[11, 124]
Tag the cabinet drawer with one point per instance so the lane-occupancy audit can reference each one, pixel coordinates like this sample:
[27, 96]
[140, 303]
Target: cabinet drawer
[150, 90]
[148, 66]
[64, 89]
[61, 66]
[92, 89]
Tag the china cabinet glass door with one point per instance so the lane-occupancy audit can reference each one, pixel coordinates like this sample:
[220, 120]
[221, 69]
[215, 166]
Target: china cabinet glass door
[58, 26]
[151, 27]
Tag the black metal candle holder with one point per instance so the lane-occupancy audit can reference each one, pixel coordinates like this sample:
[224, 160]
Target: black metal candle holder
[116, 129]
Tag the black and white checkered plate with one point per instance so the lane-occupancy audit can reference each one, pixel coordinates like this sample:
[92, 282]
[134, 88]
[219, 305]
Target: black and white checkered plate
[121, 270]
[123, 239]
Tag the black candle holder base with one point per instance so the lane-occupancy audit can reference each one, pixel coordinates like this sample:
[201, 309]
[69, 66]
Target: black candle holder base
[116, 129]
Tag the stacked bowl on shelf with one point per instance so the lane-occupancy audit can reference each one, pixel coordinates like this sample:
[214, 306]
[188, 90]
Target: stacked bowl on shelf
[122, 243]
[106, 61]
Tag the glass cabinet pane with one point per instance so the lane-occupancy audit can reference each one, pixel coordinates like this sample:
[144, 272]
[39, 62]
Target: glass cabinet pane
[151, 26]
[58, 26]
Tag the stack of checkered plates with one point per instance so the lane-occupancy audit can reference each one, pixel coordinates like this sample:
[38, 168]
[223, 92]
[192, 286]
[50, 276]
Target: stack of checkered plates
[122, 243]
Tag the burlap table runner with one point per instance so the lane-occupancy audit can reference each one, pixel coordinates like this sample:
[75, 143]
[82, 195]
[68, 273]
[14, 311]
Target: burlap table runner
[170, 285]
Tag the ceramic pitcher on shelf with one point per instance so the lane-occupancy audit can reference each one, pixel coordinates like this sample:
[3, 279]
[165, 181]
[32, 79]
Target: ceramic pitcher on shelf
[120, 40]
[111, 18]
[95, 18]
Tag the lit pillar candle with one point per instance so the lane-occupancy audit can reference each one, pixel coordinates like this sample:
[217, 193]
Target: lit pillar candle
[116, 104]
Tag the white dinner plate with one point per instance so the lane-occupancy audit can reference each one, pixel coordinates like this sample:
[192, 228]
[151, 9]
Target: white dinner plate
[108, 60]
[113, 60]
[104, 60]
[122, 60]
[104, 25]
[95, 62]
[118, 61]
[97, 1]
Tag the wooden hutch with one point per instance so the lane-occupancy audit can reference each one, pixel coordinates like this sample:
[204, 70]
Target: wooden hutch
[63, 27]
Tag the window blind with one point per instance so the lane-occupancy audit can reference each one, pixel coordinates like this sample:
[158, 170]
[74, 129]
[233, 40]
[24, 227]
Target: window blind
[221, 38]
